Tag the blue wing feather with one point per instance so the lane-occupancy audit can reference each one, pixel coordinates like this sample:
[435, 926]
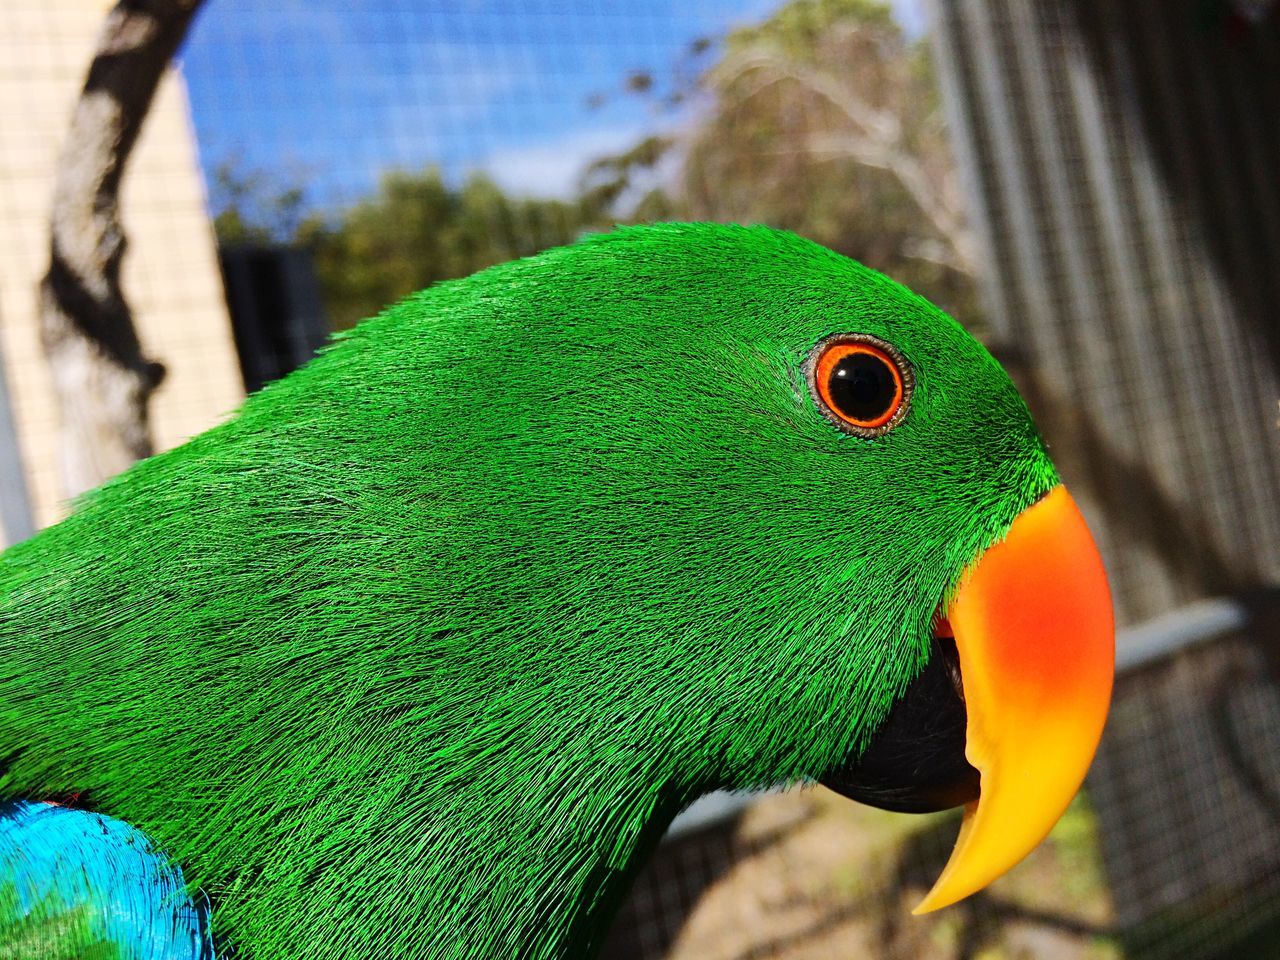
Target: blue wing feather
[76, 884]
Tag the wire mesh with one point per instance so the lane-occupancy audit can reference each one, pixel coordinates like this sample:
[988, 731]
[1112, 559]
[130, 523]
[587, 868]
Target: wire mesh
[1132, 257]
[1172, 852]
[347, 156]
[1189, 783]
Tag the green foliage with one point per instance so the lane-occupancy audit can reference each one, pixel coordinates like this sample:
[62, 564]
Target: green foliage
[417, 230]
[417, 656]
[608, 178]
[799, 28]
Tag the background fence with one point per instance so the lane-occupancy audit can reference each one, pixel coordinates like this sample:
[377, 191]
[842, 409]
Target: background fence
[1089, 185]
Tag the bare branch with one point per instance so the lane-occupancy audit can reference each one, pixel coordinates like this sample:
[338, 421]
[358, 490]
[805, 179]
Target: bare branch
[925, 192]
[102, 379]
[874, 138]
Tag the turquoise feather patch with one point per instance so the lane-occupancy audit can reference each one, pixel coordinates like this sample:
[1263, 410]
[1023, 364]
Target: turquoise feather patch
[79, 884]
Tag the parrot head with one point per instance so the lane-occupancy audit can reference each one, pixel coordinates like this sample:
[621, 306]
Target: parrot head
[516, 569]
[785, 517]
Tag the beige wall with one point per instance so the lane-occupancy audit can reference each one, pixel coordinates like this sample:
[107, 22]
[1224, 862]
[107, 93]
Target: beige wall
[170, 271]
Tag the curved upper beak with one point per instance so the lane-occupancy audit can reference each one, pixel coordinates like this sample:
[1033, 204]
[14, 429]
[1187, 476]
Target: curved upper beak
[1035, 635]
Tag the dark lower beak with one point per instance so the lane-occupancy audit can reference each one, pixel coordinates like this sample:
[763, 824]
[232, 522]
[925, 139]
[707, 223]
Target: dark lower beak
[916, 761]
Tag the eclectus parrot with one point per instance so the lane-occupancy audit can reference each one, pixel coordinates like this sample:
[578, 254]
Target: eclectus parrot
[418, 654]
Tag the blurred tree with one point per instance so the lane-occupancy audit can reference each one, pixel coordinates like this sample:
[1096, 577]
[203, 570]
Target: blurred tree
[823, 119]
[417, 230]
[414, 231]
[255, 207]
[101, 377]
[829, 93]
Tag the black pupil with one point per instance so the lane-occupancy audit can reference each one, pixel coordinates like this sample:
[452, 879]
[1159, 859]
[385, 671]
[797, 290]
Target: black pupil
[861, 387]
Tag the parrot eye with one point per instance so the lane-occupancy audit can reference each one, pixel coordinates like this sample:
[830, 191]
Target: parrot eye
[861, 383]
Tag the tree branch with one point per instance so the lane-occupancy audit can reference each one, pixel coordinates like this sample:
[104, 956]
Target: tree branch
[875, 139]
[102, 379]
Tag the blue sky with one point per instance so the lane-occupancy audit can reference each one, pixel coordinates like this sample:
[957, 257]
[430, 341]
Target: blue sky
[331, 93]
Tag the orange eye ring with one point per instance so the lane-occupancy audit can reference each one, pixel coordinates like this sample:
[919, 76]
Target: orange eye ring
[862, 384]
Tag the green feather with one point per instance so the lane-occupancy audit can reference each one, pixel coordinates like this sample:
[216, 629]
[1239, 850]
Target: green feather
[51, 930]
[417, 655]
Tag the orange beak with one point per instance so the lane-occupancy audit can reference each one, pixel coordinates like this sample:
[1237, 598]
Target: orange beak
[1035, 633]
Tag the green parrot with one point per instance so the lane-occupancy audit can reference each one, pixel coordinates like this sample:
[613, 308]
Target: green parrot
[418, 654]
